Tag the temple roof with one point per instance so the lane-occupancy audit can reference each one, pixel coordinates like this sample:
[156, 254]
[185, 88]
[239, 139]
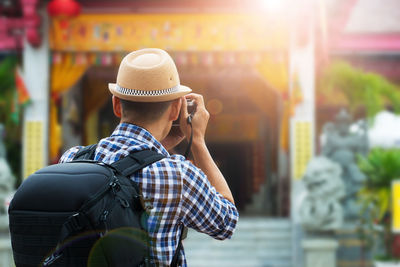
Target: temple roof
[374, 16]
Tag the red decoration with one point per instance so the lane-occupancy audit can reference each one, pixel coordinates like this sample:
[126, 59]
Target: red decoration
[32, 22]
[29, 8]
[63, 8]
[13, 29]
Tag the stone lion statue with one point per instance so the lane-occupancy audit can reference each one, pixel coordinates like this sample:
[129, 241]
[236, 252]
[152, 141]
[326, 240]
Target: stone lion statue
[342, 146]
[321, 210]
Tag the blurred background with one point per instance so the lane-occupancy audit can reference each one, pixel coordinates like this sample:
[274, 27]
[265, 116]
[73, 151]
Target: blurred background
[303, 97]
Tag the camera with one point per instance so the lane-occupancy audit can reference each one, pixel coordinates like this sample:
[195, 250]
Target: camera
[191, 108]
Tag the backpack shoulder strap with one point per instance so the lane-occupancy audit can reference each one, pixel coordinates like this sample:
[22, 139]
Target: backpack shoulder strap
[136, 160]
[86, 152]
[175, 258]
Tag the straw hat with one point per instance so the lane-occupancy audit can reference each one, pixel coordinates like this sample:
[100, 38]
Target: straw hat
[148, 75]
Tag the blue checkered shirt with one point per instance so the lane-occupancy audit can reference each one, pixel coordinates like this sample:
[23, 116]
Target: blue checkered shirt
[174, 192]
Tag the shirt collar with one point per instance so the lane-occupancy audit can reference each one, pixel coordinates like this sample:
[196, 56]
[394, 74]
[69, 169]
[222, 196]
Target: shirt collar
[139, 134]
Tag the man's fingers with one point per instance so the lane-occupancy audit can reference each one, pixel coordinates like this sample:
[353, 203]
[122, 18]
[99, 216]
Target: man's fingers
[184, 113]
[184, 105]
[198, 99]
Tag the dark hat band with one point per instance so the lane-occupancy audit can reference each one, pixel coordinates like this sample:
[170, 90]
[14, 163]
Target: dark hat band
[135, 92]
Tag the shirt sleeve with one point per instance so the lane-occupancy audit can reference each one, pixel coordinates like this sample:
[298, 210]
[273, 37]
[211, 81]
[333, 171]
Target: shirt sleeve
[203, 208]
[69, 154]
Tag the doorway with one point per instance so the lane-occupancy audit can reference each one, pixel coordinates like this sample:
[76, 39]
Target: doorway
[242, 135]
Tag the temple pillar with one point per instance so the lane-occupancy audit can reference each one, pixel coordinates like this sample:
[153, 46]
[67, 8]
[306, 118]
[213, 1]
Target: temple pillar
[302, 95]
[36, 66]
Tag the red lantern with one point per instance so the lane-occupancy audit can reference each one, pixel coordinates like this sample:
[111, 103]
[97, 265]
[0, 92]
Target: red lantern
[63, 8]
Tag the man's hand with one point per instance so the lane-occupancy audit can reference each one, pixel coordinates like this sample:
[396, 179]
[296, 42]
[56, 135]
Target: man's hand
[199, 123]
[199, 120]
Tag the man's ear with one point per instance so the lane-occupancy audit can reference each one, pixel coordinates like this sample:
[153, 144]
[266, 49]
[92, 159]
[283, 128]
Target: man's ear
[175, 109]
[117, 106]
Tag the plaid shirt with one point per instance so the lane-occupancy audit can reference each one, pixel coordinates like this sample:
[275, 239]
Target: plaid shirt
[174, 192]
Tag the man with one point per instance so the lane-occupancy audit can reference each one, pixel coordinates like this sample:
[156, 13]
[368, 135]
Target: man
[148, 97]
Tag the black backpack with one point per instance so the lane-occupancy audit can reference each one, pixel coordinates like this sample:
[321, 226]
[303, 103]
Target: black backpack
[82, 213]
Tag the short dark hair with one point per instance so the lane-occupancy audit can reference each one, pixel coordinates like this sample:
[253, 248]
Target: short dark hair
[144, 111]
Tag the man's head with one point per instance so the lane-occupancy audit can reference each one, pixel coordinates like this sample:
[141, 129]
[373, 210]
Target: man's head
[149, 112]
[148, 75]
[147, 87]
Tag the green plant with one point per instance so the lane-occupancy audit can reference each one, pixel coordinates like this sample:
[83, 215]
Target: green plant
[359, 89]
[381, 167]
[9, 115]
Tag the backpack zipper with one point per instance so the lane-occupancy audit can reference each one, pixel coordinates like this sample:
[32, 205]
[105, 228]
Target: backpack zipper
[113, 185]
[107, 211]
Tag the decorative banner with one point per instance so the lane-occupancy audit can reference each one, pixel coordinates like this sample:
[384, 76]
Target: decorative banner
[172, 32]
[302, 147]
[396, 206]
[273, 71]
[33, 156]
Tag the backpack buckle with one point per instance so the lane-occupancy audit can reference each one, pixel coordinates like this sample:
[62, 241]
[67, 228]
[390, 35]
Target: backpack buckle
[51, 259]
[74, 223]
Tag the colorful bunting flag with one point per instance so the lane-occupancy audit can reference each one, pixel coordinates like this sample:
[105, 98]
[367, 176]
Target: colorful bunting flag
[23, 94]
[207, 59]
[20, 97]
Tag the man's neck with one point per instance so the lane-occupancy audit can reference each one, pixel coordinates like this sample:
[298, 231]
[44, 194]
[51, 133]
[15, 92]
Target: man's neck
[155, 129]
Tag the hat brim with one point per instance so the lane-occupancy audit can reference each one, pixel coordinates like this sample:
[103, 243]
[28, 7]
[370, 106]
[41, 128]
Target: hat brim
[181, 91]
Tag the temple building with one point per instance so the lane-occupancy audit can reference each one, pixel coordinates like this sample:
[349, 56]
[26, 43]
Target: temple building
[234, 55]
[256, 63]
